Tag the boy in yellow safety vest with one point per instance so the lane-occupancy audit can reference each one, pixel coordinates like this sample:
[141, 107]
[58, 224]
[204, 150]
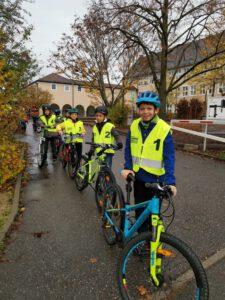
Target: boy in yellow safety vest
[149, 152]
[104, 132]
[47, 121]
[74, 131]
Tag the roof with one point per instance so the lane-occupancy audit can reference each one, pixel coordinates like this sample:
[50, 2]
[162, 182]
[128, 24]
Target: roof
[191, 53]
[56, 78]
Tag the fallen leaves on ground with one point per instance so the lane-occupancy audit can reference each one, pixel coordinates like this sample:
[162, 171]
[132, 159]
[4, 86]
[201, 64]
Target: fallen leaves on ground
[40, 234]
[144, 292]
[93, 260]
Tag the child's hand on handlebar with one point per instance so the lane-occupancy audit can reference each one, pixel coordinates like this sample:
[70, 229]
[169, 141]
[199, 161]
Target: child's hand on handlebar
[173, 190]
[125, 173]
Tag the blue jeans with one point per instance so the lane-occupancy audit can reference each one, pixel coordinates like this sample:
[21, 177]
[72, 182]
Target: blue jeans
[108, 159]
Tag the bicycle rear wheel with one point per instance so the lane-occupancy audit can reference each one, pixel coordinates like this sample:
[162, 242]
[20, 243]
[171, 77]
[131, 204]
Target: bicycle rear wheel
[181, 275]
[105, 179]
[81, 175]
[113, 199]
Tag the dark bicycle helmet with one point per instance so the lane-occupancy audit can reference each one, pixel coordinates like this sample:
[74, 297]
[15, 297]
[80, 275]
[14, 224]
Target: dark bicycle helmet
[73, 111]
[101, 109]
[57, 112]
[46, 107]
[148, 97]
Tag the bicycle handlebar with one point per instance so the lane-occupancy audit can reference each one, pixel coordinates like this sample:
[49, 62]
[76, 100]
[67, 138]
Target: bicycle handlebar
[130, 177]
[155, 187]
[104, 147]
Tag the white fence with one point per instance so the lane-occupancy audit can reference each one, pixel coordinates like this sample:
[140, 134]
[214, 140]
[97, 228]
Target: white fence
[204, 134]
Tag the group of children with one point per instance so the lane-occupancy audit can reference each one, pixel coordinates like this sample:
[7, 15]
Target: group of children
[149, 150]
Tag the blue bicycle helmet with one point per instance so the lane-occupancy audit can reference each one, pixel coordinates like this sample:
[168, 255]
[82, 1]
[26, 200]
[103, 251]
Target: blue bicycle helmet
[148, 97]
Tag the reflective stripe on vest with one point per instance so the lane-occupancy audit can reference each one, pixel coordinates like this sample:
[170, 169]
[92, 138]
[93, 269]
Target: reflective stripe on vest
[149, 155]
[49, 122]
[150, 163]
[105, 137]
[72, 131]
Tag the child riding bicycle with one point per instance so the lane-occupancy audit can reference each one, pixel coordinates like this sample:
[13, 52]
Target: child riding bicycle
[104, 132]
[149, 151]
[74, 131]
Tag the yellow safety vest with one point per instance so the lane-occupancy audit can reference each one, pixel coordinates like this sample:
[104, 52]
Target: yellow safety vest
[105, 137]
[51, 121]
[72, 129]
[149, 155]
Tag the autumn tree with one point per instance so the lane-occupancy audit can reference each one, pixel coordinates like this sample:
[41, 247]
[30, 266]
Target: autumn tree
[34, 96]
[17, 67]
[99, 58]
[170, 34]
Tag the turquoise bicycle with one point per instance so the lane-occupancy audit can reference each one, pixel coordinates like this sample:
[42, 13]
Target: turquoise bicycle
[154, 264]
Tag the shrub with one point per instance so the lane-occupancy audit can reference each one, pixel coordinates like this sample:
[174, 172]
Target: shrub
[196, 109]
[10, 161]
[183, 109]
[118, 114]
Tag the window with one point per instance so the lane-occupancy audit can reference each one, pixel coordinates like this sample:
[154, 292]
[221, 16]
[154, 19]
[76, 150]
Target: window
[79, 88]
[193, 90]
[202, 89]
[54, 87]
[145, 82]
[66, 88]
[210, 90]
[222, 87]
[185, 90]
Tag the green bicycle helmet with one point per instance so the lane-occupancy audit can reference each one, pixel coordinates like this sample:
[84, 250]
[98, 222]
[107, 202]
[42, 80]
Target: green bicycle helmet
[73, 111]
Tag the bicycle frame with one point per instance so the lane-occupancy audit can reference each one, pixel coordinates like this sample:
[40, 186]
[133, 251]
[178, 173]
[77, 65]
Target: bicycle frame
[152, 207]
[94, 167]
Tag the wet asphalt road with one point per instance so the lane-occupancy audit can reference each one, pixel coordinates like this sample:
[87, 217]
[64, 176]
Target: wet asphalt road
[71, 260]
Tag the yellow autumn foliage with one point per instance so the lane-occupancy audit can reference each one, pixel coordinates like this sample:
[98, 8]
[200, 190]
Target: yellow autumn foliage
[11, 163]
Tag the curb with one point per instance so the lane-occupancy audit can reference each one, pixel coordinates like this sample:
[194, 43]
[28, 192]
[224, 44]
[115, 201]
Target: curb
[213, 259]
[202, 154]
[207, 264]
[15, 205]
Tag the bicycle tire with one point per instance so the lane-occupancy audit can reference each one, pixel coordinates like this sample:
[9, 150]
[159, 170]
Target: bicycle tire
[199, 274]
[113, 198]
[71, 168]
[105, 178]
[81, 183]
[63, 155]
[41, 159]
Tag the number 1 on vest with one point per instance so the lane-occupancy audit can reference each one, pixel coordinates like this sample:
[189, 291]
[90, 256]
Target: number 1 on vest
[157, 142]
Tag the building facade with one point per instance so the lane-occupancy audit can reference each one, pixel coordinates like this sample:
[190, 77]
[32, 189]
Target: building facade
[69, 93]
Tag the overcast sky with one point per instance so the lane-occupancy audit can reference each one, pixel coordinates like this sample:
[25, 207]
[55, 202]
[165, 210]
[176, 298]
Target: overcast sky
[50, 19]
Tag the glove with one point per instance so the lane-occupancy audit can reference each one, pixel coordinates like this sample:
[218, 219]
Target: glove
[119, 146]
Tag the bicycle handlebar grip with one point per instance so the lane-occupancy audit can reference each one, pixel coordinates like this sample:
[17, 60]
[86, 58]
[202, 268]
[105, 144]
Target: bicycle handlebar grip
[130, 177]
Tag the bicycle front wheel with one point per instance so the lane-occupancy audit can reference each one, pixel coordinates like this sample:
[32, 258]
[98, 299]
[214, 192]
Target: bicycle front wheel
[81, 175]
[105, 179]
[180, 273]
[40, 158]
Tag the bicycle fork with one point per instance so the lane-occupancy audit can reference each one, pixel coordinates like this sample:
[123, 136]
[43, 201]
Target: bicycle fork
[155, 247]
